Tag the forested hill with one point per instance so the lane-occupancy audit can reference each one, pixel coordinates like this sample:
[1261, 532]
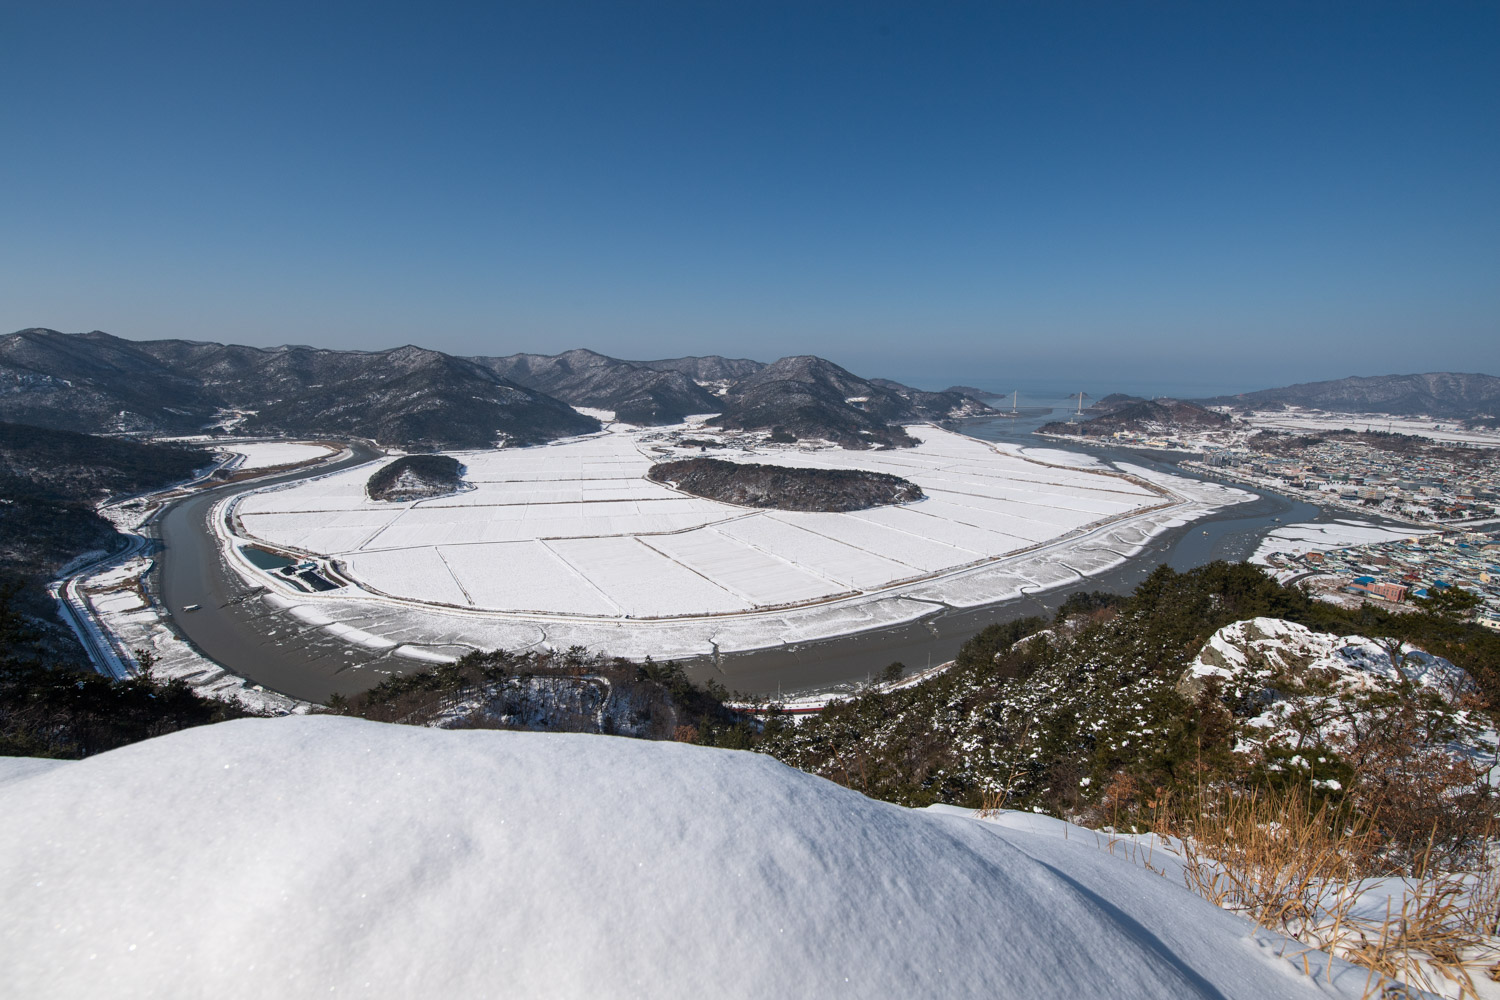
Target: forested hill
[1154, 416]
[780, 487]
[809, 397]
[1089, 714]
[50, 481]
[417, 399]
[406, 397]
[1449, 395]
[634, 392]
[415, 477]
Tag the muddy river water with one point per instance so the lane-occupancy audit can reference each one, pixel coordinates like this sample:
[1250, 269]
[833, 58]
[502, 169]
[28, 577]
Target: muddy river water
[240, 632]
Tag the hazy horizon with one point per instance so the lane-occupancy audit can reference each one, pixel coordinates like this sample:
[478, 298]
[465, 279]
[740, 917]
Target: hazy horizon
[1230, 196]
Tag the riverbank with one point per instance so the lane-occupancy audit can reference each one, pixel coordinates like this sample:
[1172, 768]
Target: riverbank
[300, 646]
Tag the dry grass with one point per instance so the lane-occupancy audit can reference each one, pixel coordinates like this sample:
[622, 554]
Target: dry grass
[992, 804]
[1303, 870]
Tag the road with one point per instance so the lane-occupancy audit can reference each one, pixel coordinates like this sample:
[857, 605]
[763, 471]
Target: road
[80, 618]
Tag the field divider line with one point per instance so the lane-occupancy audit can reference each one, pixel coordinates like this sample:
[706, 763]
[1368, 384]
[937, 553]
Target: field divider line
[912, 534]
[848, 584]
[861, 548]
[1022, 517]
[993, 531]
[562, 538]
[778, 557]
[379, 531]
[456, 581]
[731, 591]
[976, 478]
[921, 573]
[473, 506]
[1140, 497]
[916, 509]
[582, 576]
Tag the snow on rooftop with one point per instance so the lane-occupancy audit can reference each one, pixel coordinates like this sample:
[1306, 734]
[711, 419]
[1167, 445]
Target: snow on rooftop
[317, 856]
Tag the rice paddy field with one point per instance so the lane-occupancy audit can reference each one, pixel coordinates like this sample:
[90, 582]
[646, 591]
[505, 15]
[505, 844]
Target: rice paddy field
[575, 529]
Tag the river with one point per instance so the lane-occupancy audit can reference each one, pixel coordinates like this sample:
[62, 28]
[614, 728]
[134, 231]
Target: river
[245, 636]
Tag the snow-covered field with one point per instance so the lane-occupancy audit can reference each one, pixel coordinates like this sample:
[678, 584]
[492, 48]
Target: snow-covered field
[322, 856]
[571, 544]
[1340, 533]
[575, 528]
[272, 454]
[1295, 419]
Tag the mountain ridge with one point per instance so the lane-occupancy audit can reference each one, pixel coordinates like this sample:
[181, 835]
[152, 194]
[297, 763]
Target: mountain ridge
[418, 398]
[407, 396]
[1447, 395]
[808, 396]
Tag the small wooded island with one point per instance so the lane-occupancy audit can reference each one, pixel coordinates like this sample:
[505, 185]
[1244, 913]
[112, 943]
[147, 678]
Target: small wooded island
[416, 477]
[781, 488]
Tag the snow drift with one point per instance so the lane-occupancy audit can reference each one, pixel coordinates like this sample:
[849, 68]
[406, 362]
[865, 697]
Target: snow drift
[309, 856]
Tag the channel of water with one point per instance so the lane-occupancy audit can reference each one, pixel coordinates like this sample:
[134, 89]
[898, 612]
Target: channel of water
[245, 636]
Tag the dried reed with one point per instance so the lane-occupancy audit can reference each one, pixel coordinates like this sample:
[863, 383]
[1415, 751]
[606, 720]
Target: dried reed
[1304, 870]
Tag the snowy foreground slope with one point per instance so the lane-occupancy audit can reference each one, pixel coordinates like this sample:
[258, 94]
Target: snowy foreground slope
[322, 856]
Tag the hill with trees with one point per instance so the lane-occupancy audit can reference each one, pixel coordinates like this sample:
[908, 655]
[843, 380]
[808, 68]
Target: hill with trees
[1088, 716]
[1446, 395]
[413, 398]
[780, 487]
[415, 477]
[406, 397]
[808, 397]
[50, 483]
[1141, 416]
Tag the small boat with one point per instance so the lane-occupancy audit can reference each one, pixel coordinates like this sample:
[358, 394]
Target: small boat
[192, 607]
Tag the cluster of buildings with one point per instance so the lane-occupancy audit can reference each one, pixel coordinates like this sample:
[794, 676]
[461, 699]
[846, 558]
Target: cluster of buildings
[1391, 572]
[1429, 485]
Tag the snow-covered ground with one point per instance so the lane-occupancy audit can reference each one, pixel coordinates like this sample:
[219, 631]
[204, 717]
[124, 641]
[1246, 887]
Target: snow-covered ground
[563, 528]
[1271, 657]
[576, 528]
[114, 596]
[318, 856]
[1351, 661]
[1296, 419]
[1323, 537]
[274, 454]
[574, 536]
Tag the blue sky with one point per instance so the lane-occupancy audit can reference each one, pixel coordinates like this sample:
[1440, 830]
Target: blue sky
[1115, 195]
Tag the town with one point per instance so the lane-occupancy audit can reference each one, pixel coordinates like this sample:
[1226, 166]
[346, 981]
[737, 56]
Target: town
[1393, 475]
[1388, 573]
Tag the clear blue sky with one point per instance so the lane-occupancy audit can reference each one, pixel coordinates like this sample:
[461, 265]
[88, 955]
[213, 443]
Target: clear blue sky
[1230, 195]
